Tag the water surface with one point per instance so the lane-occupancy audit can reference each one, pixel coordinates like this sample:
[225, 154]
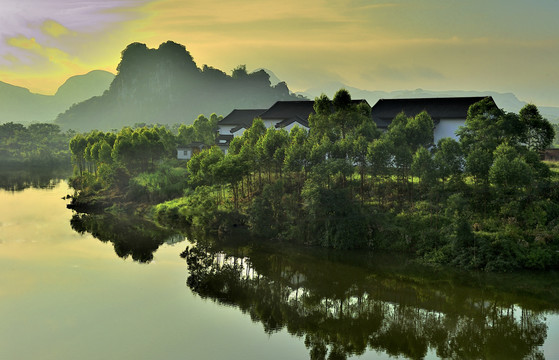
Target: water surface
[75, 286]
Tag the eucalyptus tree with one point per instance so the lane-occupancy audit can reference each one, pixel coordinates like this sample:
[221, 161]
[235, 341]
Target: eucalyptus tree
[271, 148]
[539, 133]
[423, 166]
[449, 160]
[78, 144]
[297, 156]
[379, 155]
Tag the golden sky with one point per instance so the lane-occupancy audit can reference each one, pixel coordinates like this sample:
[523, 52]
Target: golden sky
[498, 45]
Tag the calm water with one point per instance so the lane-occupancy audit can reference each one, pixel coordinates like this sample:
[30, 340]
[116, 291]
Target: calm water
[99, 287]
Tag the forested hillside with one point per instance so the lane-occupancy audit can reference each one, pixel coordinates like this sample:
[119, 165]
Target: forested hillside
[165, 86]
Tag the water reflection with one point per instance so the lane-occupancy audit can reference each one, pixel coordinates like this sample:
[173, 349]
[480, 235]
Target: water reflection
[353, 304]
[130, 236]
[19, 180]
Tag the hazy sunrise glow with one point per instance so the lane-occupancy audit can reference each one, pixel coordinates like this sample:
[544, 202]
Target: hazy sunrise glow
[506, 46]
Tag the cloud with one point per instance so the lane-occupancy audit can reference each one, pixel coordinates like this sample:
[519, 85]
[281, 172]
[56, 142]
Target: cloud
[55, 29]
[50, 54]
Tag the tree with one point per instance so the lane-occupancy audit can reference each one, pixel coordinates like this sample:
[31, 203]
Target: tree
[509, 170]
[419, 131]
[539, 132]
[271, 148]
[482, 128]
[449, 159]
[423, 166]
[78, 145]
[380, 158]
[344, 117]
[478, 163]
[320, 121]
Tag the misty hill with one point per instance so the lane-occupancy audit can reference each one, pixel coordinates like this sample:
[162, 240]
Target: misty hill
[18, 104]
[273, 78]
[165, 86]
[507, 101]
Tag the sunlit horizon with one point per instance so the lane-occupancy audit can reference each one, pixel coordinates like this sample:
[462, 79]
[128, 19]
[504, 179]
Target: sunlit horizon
[390, 45]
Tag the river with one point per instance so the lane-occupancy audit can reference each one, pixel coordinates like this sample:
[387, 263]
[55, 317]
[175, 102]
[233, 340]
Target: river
[77, 286]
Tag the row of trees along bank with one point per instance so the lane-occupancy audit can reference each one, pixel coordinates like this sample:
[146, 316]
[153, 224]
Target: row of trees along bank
[485, 201]
[137, 164]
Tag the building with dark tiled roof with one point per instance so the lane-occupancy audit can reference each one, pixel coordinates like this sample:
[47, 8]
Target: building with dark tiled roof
[281, 115]
[238, 118]
[448, 114]
[288, 114]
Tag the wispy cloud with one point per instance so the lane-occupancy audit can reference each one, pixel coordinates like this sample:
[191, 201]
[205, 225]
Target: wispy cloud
[55, 29]
[382, 44]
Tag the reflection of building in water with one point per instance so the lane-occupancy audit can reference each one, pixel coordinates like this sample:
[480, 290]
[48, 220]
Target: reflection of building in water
[345, 311]
[175, 239]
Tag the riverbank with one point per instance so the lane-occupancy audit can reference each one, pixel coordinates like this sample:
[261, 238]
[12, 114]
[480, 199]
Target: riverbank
[483, 200]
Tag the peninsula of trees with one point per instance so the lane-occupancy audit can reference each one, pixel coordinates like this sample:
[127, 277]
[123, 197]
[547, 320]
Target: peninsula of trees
[486, 201]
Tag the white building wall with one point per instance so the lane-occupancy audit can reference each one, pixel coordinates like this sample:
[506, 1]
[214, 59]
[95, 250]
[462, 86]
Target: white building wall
[271, 122]
[239, 132]
[292, 125]
[184, 154]
[225, 129]
[447, 128]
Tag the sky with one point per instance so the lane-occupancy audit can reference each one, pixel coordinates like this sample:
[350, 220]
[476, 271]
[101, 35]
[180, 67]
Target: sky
[483, 45]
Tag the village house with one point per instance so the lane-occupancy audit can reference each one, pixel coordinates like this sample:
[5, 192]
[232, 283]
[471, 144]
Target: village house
[282, 115]
[185, 152]
[234, 124]
[448, 114]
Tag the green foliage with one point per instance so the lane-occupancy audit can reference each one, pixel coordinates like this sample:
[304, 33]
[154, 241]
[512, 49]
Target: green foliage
[448, 159]
[486, 202]
[334, 218]
[539, 133]
[423, 166]
[37, 145]
[163, 184]
[198, 207]
[509, 170]
[274, 214]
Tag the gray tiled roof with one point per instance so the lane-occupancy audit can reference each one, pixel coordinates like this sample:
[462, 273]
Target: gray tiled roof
[438, 108]
[289, 109]
[291, 120]
[241, 117]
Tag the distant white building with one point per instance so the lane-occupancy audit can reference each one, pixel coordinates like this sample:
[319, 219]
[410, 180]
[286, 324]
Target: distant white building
[185, 152]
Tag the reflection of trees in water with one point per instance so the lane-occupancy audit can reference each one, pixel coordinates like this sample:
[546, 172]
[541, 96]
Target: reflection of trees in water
[19, 180]
[342, 311]
[129, 235]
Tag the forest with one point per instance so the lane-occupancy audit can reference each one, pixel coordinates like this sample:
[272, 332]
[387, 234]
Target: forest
[36, 145]
[484, 202]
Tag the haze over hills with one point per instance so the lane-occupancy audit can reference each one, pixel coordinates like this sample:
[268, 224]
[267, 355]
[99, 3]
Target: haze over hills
[165, 86]
[20, 105]
[506, 101]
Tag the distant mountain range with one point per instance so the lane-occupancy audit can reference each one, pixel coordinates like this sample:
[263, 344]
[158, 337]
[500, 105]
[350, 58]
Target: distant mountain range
[20, 105]
[506, 101]
[165, 86]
